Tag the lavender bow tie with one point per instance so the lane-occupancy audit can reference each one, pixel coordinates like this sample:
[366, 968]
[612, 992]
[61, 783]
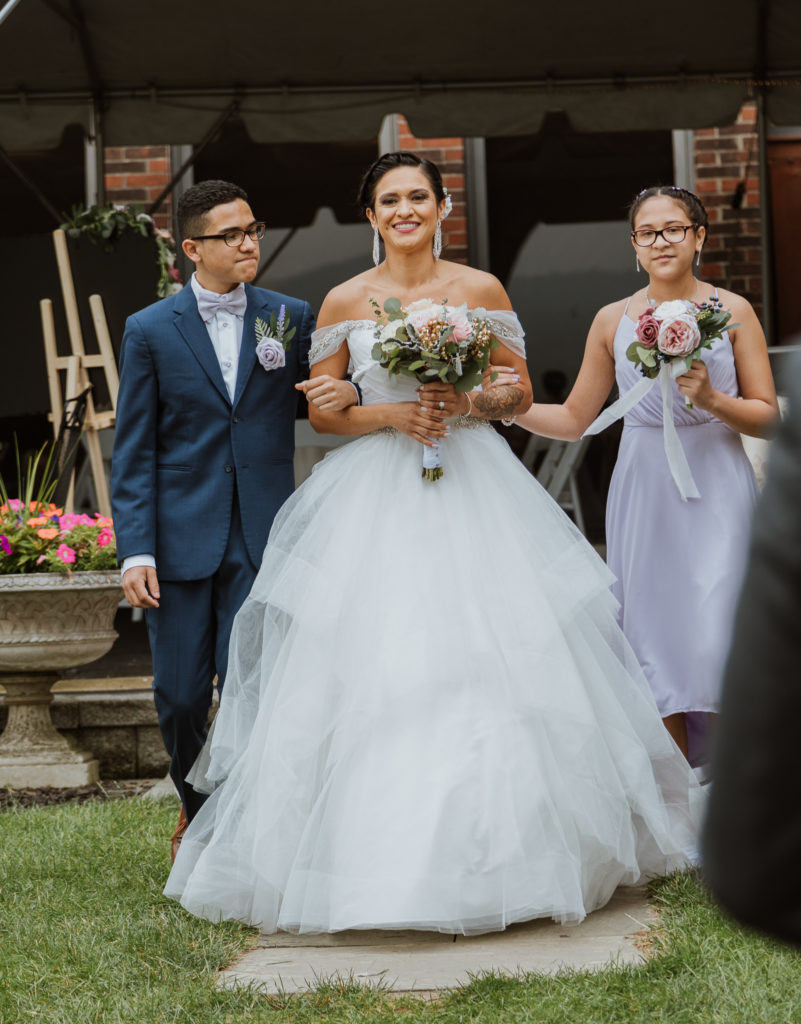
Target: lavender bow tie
[210, 303]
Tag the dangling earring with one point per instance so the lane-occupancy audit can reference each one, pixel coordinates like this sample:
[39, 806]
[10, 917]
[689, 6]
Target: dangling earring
[637, 261]
[698, 259]
[438, 240]
[376, 248]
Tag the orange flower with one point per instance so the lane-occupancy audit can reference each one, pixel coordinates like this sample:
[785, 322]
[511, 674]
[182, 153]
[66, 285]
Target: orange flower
[38, 520]
[47, 534]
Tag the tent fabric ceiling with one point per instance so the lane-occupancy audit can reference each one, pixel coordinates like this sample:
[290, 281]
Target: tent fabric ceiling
[163, 73]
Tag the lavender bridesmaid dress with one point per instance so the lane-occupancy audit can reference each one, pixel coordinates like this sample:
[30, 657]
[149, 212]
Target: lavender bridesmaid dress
[679, 563]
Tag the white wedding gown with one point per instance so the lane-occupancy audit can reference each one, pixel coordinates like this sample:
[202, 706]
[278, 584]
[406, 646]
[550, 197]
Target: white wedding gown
[431, 719]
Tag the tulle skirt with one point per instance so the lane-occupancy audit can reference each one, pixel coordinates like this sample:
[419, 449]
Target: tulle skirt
[431, 719]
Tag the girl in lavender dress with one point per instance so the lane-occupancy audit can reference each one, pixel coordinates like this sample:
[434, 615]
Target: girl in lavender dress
[677, 561]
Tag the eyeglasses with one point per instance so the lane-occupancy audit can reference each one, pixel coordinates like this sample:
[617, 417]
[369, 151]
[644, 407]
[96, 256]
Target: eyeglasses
[236, 236]
[674, 233]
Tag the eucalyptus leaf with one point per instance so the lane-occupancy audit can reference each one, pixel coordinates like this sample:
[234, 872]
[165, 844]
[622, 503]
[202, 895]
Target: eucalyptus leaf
[647, 356]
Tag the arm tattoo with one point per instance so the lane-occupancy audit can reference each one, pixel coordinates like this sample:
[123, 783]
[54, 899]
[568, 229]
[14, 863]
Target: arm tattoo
[498, 403]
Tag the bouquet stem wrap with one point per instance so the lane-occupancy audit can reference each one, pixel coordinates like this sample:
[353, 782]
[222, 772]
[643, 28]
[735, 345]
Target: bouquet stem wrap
[677, 460]
[432, 463]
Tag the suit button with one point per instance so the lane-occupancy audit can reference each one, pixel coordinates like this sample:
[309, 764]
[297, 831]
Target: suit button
[236, 419]
[229, 469]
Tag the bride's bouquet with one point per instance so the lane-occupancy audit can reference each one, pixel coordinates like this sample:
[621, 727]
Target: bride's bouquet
[673, 333]
[433, 341]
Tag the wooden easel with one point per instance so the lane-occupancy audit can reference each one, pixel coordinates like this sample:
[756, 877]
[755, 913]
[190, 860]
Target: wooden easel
[77, 366]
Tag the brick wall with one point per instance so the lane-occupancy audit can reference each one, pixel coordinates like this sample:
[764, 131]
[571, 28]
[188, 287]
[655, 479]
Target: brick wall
[448, 155]
[136, 175]
[727, 158]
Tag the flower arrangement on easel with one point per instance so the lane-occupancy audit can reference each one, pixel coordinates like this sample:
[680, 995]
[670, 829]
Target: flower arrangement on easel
[104, 225]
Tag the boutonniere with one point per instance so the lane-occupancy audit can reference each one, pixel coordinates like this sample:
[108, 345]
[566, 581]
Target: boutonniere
[272, 339]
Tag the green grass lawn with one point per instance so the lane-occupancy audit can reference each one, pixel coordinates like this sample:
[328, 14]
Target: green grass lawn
[86, 936]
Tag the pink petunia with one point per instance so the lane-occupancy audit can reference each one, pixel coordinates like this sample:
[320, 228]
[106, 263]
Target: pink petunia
[5, 543]
[104, 537]
[66, 554]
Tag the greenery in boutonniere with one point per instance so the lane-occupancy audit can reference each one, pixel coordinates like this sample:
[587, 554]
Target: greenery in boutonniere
[272, 339]
[104, 225]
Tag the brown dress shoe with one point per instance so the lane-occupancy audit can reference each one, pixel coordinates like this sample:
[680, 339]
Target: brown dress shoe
[178, 834]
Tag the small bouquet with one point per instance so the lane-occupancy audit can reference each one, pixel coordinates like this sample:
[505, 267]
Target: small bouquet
[430, 341]
[668, 337]
[272, 339]
[676, 331]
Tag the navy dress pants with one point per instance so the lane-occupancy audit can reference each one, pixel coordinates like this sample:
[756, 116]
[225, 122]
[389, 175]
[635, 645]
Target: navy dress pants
[189, 634]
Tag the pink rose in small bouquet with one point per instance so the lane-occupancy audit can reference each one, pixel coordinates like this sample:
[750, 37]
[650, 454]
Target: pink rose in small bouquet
[679, 336]
[647, 329]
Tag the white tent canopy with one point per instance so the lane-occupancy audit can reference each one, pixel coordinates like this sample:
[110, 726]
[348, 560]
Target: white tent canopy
[155, 72]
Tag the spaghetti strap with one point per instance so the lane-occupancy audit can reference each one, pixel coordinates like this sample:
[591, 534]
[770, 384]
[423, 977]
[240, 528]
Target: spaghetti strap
[628, 303]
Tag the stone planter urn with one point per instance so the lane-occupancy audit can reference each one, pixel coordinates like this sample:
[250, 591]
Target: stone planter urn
[49, 622]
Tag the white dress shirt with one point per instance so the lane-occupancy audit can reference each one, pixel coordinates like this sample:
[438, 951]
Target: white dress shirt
[225, 332]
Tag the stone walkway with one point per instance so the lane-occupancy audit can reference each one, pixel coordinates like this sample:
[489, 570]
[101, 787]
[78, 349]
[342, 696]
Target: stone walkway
[427, 963]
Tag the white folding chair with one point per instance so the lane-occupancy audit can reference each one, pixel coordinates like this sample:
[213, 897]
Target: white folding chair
[557, 471]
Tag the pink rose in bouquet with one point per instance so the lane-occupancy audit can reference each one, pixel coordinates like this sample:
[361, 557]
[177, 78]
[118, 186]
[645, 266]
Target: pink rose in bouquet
[679, 335]
[462, 328]
[647, 329]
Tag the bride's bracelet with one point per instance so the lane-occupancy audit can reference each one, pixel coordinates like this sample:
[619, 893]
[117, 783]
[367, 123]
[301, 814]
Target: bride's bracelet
[469, 404]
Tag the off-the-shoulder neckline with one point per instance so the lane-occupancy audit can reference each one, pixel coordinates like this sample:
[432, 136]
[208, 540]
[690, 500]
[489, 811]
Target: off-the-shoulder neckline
[365, 320]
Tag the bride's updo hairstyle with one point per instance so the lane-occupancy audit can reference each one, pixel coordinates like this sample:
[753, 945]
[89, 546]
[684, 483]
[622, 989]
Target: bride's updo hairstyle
[389, 162]
[690, 202]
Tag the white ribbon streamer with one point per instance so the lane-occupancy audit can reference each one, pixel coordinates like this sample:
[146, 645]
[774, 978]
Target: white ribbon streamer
[677, 460]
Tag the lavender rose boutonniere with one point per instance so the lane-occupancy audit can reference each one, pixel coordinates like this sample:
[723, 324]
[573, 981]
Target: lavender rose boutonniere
[272, 339]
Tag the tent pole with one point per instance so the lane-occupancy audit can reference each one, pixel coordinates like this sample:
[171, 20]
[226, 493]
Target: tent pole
[7, 9]
[96, 175]
[765, 220]
[100, 155]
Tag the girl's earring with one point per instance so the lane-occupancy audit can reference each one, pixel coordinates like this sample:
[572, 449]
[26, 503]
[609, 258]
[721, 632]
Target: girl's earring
[698, 259]
[376, 248]
[637, 262]
[438, 240]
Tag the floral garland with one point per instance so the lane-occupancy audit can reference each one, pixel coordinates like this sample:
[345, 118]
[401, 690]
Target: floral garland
[104, 225]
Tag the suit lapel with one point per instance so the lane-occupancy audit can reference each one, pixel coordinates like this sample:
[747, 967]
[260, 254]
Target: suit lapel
[247, 350]
[196, 336]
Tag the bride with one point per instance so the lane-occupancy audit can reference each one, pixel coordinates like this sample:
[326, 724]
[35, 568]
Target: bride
[431, 719]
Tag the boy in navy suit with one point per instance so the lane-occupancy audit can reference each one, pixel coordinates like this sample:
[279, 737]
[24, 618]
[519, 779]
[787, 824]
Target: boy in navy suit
[203, 457]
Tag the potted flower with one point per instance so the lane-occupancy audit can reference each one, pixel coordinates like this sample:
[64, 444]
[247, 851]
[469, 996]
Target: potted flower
[59, 591]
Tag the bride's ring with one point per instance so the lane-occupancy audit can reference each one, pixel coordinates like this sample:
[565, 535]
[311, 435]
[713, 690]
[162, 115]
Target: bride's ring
[442, 405]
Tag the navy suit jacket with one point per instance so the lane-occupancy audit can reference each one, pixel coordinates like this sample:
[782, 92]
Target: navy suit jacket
[181, 447]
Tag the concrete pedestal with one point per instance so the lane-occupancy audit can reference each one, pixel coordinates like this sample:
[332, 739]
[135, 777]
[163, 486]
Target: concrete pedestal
[32, 751]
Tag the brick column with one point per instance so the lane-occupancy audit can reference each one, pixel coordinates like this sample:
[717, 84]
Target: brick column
[727, 172]
[136, 175]
[448, 155]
